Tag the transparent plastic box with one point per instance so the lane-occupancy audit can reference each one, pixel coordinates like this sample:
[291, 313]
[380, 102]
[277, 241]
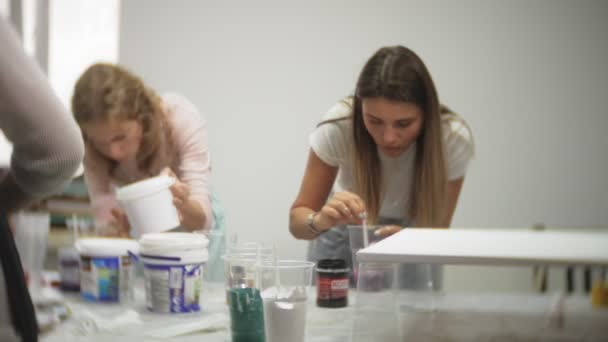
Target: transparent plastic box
[401, 294]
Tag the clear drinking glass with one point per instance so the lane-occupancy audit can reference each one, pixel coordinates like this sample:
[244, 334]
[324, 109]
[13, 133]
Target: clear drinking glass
[285, 288]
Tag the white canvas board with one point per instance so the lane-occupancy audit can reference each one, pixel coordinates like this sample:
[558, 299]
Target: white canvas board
[489, 247]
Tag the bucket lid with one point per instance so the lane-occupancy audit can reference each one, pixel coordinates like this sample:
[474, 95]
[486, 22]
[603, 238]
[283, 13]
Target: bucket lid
[106, 246]
[144, 188]
[174, 245]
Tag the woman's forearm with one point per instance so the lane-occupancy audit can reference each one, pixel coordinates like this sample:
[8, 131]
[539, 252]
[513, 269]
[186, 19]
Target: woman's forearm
[298, 225]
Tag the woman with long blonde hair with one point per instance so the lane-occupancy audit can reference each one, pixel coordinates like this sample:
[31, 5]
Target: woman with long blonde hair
[131, 134]
[391, 151]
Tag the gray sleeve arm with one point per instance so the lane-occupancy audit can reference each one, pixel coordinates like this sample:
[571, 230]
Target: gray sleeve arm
[47, 143]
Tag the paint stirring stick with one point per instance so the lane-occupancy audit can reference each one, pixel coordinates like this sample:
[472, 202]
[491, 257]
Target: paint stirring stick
[363, 216]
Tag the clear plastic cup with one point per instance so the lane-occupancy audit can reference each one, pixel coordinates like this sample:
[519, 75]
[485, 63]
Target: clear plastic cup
[31, 236]
[214, 268]
[285, 287]
[240, 260]
[382, 286]
[356, 240]
[375, 315]
[242, 296]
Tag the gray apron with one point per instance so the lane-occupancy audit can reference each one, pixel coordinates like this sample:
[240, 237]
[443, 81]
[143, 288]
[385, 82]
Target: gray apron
[335, 244]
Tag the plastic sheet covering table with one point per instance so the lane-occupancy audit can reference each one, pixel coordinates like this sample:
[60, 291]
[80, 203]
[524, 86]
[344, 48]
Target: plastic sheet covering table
[411, 316]
[132, 322]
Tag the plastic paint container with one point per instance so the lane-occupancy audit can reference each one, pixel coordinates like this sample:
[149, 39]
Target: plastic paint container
[149, 205]
[173, 270]
[106, 269]
[332, 283]
[69, 269]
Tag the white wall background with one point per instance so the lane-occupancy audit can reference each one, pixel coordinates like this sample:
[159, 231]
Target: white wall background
[80, 33]
[529, 76]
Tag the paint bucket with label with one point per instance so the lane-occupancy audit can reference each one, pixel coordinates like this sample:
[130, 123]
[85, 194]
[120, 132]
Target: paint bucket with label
[106, 269]
[173, 270]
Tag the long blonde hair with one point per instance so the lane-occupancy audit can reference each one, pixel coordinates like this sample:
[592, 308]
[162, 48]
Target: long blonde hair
[397, 73]
[109, 92]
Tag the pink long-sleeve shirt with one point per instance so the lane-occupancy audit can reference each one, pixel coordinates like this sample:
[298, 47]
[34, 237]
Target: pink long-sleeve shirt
[193, 168]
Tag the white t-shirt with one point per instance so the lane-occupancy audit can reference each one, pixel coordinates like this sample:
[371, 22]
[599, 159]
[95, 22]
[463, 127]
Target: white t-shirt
[332, 143]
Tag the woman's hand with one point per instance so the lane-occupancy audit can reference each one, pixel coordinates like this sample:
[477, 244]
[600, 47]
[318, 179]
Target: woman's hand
[387, 230]
[180, 191]
[190, 211]
[343, 208]
[119, 226]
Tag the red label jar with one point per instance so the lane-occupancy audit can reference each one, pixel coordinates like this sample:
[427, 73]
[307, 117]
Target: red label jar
[332, 283]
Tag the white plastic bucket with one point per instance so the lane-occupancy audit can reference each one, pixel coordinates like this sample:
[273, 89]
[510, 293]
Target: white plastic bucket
[149, 205]
[106, 269]
[173, 270]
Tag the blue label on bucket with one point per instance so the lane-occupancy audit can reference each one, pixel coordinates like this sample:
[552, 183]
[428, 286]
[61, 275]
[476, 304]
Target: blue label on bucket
[104, 279]
[107, 278]
[173, 288]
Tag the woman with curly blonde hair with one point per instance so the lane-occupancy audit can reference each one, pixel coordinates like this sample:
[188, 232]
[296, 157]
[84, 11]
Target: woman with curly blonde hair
[131, 134]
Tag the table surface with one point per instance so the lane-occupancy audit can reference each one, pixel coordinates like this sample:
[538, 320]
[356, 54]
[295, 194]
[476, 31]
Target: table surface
[381, 316]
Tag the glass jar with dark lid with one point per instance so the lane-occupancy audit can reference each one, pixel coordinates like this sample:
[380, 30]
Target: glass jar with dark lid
[332, 283]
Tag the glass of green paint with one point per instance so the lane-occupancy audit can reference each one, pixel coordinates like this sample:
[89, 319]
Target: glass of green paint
[244, 300]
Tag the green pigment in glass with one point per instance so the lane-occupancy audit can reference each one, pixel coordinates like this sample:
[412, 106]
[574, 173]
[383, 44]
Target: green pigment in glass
[246, 315]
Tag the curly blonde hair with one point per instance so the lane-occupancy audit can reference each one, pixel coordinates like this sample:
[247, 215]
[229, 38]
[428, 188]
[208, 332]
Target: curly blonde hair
[107, 92]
